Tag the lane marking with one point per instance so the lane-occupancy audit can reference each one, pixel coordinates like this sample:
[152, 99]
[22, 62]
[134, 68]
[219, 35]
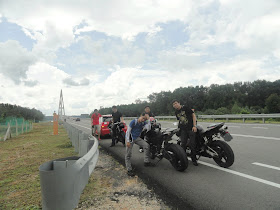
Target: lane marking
[233, 126]
[260, 127]
[273, 184]
[257, 137]
[267, 166]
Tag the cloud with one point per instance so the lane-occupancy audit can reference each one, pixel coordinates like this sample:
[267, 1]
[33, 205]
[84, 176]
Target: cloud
[69, 81]
[178, 59]
[30, 83]
[15, 60]
[130, 49]
[54, 24]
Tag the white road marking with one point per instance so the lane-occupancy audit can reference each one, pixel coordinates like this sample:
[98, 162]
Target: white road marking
[233, 126]
[267, 166]
[257, 137]
[260, 127]
[273, 184]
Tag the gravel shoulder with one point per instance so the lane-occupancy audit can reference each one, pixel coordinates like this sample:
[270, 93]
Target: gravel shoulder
[110, 187]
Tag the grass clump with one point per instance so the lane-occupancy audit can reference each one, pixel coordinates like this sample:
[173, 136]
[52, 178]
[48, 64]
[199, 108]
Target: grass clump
[20, 158]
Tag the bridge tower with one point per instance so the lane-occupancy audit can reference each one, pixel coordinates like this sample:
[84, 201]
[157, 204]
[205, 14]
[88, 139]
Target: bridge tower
[61, 110]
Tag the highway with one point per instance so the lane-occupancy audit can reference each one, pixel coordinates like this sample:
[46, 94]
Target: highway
[252, 182]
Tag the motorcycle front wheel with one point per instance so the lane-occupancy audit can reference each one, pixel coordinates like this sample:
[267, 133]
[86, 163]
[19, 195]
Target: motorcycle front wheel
[122, 138]
[225, 154]
[177, 157]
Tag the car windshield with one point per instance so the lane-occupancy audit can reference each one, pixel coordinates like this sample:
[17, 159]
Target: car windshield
[107, 119]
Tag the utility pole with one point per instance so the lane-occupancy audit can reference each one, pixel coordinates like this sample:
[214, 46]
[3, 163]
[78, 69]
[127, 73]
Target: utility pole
[61, 110]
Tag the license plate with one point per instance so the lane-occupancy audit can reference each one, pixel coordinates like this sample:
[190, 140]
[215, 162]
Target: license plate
[227, 137]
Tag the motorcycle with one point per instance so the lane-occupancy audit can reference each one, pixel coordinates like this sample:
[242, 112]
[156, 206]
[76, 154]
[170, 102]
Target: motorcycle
[161, 147]
[120, 134]
[208, 144]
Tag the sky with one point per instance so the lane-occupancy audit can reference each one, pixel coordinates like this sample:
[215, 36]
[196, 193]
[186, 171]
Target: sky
[105, 53]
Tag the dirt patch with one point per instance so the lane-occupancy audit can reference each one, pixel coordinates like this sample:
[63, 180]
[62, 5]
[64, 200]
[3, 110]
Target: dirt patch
[112, 188]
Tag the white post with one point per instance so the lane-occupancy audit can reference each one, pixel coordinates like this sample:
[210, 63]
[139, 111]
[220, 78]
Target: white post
[8, 133]
[16, 128]
[22, 126]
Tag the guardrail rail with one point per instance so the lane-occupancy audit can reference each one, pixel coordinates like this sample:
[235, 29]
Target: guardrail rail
[63, 180]
[226, 117]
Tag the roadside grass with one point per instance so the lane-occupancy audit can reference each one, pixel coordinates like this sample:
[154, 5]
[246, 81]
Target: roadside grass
[20, 158]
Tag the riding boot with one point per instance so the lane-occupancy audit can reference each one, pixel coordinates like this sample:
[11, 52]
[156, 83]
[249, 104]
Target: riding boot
[113, 142]
[194, 160]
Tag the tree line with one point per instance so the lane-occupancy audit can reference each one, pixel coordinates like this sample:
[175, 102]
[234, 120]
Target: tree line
[256, 97]
[9, 110]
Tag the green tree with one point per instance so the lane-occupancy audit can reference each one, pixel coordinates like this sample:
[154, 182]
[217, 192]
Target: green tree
[236, 109]
[273, 103]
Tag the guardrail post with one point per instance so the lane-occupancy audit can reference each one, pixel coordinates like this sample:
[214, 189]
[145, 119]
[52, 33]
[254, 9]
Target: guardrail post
[263, 120]
[243, 120]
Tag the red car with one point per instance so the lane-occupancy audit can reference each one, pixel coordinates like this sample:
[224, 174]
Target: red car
[104, 121]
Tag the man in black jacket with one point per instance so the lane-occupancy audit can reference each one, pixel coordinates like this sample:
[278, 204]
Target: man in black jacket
[187, 125]
[117, 117]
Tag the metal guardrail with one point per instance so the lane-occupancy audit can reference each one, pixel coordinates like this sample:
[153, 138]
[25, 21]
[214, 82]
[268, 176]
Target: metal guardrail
[241, 116]
[226, 117]
[63, 180]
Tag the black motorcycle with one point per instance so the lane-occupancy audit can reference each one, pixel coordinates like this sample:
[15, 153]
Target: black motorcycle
[208, 144]
[120, 134]
[161, 147]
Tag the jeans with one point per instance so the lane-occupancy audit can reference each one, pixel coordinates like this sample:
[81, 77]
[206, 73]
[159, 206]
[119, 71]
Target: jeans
[185, 135]
[128, 154]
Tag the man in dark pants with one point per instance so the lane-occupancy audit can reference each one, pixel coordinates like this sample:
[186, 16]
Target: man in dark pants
[187, 125]
[117, 117]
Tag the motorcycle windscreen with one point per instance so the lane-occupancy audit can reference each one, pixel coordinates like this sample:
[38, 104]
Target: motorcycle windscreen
[227, 137]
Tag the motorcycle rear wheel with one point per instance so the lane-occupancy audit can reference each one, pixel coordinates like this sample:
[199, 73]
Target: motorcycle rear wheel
[225, 154]
[179, 158]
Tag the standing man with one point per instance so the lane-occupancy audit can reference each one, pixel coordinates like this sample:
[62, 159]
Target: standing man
[147, 110]
[117, 117]
[187, 125]
[95, 123]
[133, 136]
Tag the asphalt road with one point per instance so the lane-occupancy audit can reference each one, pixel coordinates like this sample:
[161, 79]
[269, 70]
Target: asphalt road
[252, 182]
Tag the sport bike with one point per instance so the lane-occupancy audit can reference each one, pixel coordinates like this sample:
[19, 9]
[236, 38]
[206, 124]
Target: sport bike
[162, 147]
[208, 144]
[120, 134]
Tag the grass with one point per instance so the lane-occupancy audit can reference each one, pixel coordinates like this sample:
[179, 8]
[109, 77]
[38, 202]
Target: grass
[20, 158]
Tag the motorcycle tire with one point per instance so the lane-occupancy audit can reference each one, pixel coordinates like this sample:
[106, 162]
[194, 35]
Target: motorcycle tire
[226, 155]
[122, 138]
[179, 158]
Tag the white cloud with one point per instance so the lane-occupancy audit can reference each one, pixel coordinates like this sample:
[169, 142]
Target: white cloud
[15, 60]
[250, 26]
[179, 59]
[51, 23]
[71, 82]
